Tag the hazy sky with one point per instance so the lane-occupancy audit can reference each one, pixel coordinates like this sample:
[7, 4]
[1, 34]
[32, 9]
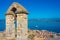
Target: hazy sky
[36, 8]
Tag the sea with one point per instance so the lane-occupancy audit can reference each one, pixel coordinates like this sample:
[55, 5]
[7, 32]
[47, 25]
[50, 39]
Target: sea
[34, 24]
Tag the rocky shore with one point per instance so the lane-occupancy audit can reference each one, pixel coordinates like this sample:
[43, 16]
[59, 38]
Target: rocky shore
[42, 35]
[37, 35]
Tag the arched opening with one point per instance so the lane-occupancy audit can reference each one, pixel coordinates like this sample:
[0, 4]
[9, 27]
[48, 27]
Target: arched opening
[14, 9]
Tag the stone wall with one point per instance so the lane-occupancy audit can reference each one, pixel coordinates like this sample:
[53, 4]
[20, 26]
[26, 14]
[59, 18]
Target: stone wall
[22, 28]
[10, 27]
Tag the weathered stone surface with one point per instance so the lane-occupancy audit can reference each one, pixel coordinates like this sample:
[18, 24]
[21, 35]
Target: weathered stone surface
[22, 24]
[19, 13]
[10, 27]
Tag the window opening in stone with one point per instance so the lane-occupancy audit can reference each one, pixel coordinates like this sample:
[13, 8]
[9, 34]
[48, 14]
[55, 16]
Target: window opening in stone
[14, 9]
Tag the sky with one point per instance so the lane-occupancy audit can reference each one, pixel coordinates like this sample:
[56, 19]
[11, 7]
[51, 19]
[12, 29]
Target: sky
[36, 8]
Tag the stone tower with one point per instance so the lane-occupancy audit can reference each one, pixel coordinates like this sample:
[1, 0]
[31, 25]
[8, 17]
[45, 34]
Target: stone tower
[17, 13]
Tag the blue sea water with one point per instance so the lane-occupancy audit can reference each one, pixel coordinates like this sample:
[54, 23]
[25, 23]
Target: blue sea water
[2, 25]
[50, 26]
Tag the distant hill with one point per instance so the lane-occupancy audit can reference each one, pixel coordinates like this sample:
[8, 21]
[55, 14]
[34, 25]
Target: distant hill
[45, 20]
